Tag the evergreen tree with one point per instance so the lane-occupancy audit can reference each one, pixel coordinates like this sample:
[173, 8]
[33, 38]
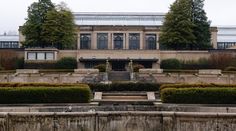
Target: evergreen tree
[32, 29]
[59, 28]
[177, 29]
[186, 26]
[202, 26]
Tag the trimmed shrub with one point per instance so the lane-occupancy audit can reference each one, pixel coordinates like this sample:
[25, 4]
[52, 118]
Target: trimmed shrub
[100, 67]
[66, 63]
[201, 63]
[38, 85]
[40, 65]
[199, 95]
[196, 86]
[30, 94]
[136, 67]
[170, 64]
[125, 87]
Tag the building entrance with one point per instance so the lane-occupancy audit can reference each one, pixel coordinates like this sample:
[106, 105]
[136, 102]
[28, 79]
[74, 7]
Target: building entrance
[118, 66]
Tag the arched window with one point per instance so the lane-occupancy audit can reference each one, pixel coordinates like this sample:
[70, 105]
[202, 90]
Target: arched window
[151, 41]
[85, 41]
[134, 41]
[118, 41]
[102, 41]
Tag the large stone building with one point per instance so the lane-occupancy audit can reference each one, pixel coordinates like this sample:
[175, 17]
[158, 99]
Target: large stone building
[117, 37]
[120, 38]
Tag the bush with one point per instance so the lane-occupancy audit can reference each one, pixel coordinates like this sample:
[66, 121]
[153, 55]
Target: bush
[196, 86]
[66, 63]
[100, 67]
[38, 85]
[125, 87]
[9, 59]
[40, 65]
[199, 95]
[230, 68]
[201, 63]
[30, 94]
[136, 67]
[220, 60]
[170, 64]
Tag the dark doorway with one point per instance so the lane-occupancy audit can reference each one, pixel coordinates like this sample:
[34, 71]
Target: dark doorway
[118, 66]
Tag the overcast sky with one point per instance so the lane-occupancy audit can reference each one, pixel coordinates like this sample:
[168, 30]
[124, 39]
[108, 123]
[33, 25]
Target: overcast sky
[14, 12]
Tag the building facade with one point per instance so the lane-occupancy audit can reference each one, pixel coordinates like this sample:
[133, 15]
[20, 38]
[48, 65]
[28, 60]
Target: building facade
[120, 38]
[226, 38]
[9, 41]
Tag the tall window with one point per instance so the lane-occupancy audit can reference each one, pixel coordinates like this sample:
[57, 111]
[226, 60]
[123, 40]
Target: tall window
[102, 41]
[134, 41]
[118, 41]
[85, 41]
[150, 41]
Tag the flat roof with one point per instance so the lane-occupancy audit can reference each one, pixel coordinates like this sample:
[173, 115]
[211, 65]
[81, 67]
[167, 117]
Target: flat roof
[119, 18]
[9, 37]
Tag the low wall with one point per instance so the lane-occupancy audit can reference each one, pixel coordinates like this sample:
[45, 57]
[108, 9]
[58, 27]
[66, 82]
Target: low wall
[187, 78]
[52, 78]
[98, 77]
[117, 121]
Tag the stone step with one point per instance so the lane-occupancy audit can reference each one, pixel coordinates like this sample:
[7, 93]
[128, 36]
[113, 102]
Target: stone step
[125, 97]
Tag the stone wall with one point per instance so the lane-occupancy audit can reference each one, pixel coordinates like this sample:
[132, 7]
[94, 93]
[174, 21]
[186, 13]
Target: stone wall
[118, 121]
[187, 78]
[98, 77]
[52, 78]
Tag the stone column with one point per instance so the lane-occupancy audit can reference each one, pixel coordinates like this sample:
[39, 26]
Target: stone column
[127, 40]
[94, 41]
[141, 41]
[124, 40]
[157, 43]
[112, 40]
[109, 41]
[78, 42]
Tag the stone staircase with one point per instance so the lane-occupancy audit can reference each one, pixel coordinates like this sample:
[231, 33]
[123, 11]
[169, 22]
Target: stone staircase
[119, 76]
[125, 98]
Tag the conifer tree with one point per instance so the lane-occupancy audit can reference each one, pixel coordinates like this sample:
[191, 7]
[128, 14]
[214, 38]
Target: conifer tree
[202, 26]
[186, 26]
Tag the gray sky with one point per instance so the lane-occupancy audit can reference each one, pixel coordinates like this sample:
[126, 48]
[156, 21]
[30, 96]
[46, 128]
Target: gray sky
[13, 12]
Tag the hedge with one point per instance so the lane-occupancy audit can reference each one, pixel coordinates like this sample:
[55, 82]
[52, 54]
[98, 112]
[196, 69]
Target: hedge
[196, 86]
[40, 85]
[199, 95]
[24, 93]
[125, 87]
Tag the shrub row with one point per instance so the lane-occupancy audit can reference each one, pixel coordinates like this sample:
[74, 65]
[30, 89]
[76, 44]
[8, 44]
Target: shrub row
[199, 95]
[125, 87]
[71, 94]
[196, 86]
[63, 63]
[40, 85]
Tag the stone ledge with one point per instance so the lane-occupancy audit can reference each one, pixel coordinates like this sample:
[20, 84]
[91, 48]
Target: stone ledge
[27, 71]
[151, 71]
[85, 71]
[211, 72]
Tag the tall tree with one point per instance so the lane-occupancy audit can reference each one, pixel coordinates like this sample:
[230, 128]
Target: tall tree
[198, 32]
[202, 26]
[59, 28]
[177, 29]
[32, 29]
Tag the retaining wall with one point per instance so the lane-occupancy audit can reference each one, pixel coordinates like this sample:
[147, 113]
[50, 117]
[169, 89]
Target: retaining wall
[117, 121]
